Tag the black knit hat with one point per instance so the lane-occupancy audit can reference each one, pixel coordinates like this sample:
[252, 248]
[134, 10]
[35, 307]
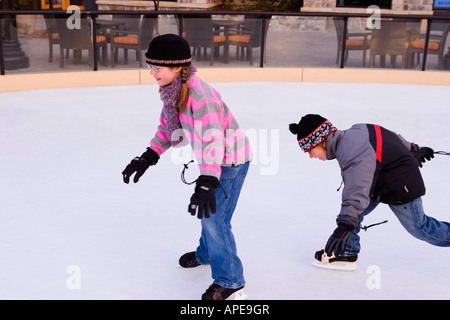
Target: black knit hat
[169, 50]
[311, 131]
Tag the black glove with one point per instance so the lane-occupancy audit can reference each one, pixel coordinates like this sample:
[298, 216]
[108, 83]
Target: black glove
[422, 153]
[336, 243]
[139, 165]
[204, 197]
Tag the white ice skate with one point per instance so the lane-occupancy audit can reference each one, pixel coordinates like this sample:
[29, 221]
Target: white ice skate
[342, 263]
[238, 295]
[217, 292]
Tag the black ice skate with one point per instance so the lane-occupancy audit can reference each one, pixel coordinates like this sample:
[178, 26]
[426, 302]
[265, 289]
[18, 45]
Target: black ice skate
[346, 263]
[188, 260]
[216, 292]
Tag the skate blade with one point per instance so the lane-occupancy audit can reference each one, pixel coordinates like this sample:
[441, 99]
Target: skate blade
[197, 267]
[342, 266]
[238, 295]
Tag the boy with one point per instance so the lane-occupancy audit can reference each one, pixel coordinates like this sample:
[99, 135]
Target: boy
[377, 165]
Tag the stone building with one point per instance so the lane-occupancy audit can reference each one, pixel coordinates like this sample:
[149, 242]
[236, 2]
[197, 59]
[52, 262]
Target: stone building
[387, 6]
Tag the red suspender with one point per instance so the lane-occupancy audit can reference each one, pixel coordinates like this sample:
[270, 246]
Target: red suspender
[379, 142]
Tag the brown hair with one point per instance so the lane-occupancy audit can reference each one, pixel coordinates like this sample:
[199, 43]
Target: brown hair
[181, 104]
[323, 145]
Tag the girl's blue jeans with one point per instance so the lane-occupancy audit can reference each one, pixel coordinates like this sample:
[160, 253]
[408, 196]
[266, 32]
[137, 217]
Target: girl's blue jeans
[217, 245]
[413, 219]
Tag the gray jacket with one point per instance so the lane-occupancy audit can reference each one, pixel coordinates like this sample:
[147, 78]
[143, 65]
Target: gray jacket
[376, 164]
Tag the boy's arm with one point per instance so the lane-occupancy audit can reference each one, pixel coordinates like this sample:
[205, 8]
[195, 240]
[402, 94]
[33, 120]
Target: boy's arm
[358, 175]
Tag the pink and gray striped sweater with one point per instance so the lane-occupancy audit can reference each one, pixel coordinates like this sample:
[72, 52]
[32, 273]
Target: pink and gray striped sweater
[210, 127]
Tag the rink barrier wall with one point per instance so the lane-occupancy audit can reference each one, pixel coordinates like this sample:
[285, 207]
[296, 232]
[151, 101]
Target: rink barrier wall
[34, 81]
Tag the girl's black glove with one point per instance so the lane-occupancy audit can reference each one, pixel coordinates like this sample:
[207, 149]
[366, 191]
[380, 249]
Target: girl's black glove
[204, 197]
[336, 243]
[140, 165]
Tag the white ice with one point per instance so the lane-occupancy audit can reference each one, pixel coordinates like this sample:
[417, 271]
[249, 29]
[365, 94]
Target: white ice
[71, 229]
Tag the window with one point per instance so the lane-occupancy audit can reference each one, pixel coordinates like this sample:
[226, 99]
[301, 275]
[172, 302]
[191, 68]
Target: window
[441, 4]
[383, 4]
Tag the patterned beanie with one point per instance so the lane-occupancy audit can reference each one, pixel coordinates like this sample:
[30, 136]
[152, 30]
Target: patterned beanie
[169, 50]
[311, 131]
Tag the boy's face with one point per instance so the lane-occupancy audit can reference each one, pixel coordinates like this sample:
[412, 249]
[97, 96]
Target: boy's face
[318, 152]
[164, 75]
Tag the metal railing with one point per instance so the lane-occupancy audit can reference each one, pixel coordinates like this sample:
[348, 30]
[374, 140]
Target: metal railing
[264, 16]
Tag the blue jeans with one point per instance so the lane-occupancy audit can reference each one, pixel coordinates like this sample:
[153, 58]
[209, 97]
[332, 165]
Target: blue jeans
[413, 219]
[217, 245]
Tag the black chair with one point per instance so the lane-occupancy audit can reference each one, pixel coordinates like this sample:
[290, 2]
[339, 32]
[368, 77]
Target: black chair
[135, 34]
[248, 37]
[149, 31]
[198, 30]
[79, 39]
[354, 41]
[436, 45]
[52, 33]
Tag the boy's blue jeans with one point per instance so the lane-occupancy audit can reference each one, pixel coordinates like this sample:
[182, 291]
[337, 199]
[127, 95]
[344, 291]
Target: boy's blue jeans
[217, 245]
[413, 219]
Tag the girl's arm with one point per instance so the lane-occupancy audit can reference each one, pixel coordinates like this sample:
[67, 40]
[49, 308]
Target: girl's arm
[160, 142]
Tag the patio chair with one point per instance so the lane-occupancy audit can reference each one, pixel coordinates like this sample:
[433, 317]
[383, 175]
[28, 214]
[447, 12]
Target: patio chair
[53, 34]
[248, 37]
[135, 35]
[436, 45]
[149, 31]
[198, 30]
[79, 40]
[354, 41]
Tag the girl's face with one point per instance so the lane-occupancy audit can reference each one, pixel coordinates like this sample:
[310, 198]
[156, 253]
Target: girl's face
[319, 152]
[164, 75]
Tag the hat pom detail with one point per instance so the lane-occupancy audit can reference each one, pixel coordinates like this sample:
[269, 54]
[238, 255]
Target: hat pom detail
[293, 127]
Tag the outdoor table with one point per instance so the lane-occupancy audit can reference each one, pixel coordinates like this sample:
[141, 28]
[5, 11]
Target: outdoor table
[109, 24]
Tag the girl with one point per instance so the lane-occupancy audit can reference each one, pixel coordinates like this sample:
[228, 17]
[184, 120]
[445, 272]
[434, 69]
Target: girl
[194, 112]
[377, 165]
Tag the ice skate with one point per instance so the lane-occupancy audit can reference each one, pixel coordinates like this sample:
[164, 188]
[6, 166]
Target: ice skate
[217, 292]
[344, 263]
[188, 260]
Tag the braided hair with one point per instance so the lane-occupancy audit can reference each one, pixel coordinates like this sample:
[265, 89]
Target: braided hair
[181, 104]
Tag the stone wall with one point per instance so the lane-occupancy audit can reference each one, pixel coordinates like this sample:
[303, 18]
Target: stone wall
[398, 6]
[149, 5]
[279, 22]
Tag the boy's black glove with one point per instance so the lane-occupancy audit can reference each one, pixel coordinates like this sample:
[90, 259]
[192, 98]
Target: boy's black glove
[422, 153]
[140, 165]
[336, 243]
[204, 197]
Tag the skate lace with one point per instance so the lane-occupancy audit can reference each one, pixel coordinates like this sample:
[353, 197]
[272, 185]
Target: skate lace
[183, 178]
[186, 166]
[373, 225]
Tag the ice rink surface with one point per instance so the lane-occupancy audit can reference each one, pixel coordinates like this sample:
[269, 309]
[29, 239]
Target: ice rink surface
[71, 229]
